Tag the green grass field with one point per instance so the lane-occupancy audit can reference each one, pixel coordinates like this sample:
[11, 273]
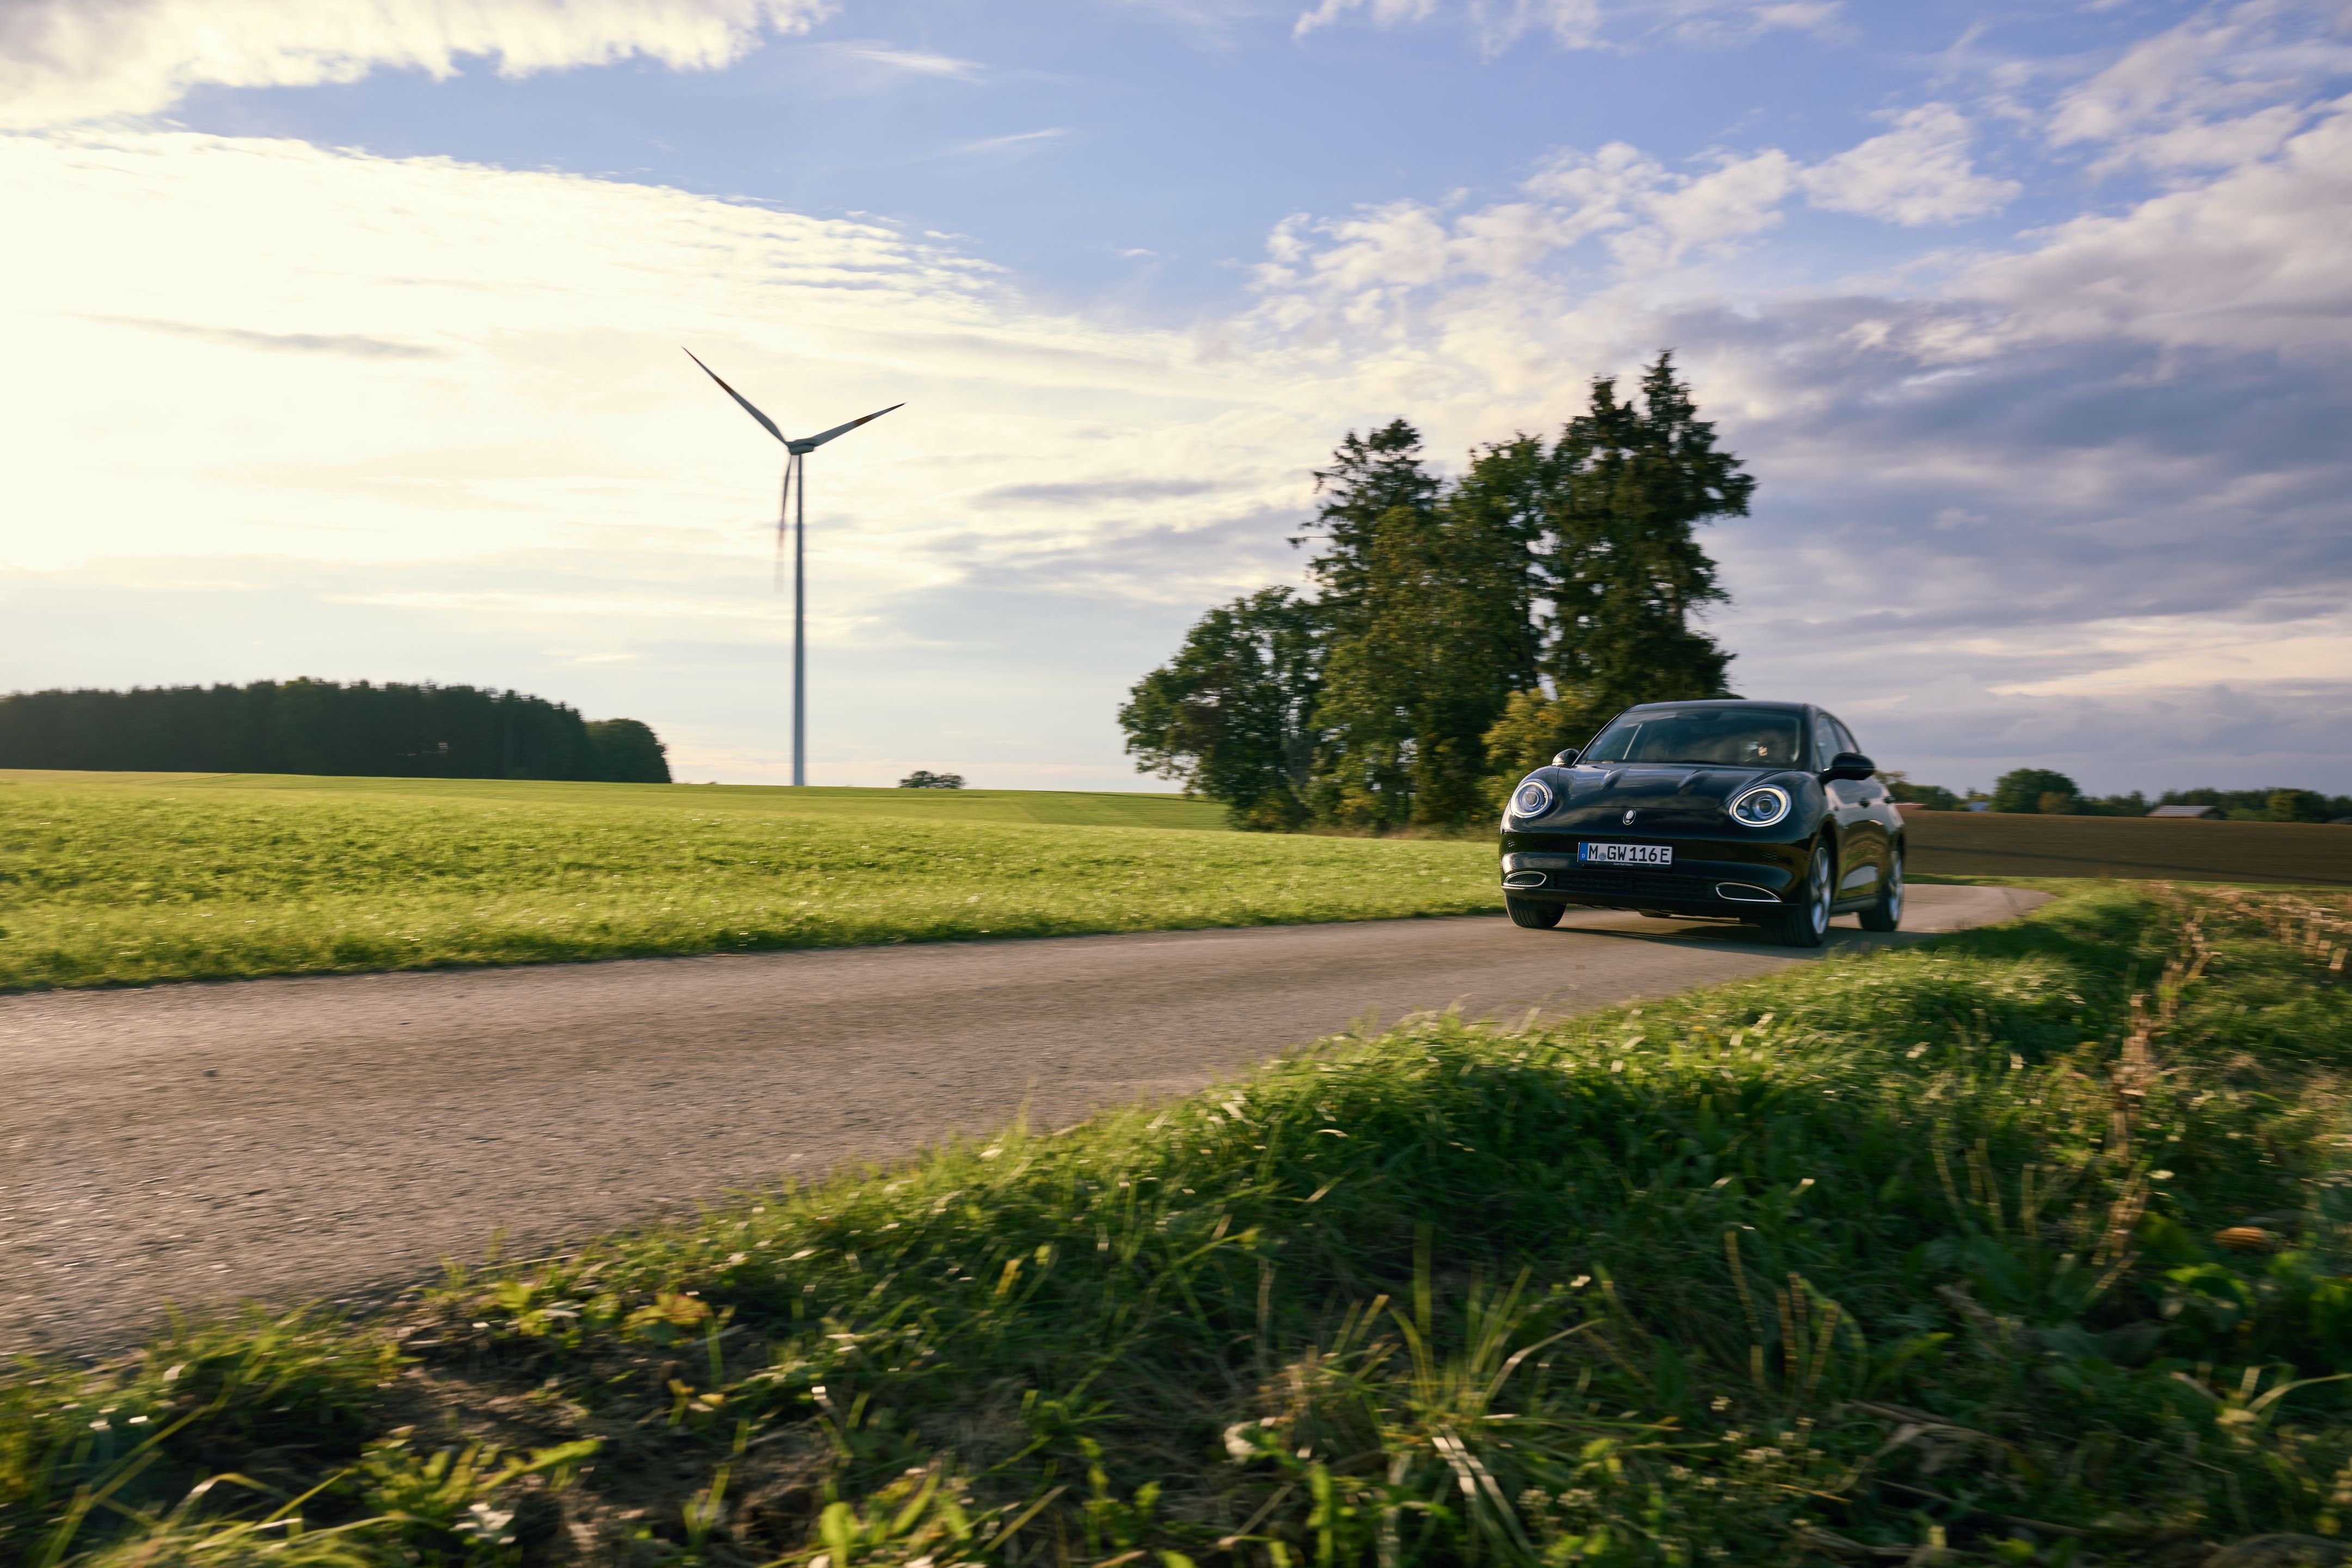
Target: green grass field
[125, 879]
[2028, 1246]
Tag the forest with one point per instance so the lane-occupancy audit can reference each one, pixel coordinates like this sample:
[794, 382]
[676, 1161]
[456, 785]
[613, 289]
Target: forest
[388, 731]
[1458, 632]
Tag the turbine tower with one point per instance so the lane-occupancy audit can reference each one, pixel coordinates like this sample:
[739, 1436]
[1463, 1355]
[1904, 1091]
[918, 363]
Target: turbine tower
[795, 465]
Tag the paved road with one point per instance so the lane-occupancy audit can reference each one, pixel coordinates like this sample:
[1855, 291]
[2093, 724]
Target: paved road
[328, 1137]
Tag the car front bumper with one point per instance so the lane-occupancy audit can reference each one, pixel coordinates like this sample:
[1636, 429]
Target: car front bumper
[1708, 876]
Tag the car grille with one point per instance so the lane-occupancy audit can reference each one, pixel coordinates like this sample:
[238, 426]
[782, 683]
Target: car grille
[1629, 885]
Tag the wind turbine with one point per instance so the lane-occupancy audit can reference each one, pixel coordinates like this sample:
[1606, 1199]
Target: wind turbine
[795, 464]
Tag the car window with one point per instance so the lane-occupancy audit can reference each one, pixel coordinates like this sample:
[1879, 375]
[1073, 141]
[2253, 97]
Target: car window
[1846, 742]
[1737, 737]
[1826, 739]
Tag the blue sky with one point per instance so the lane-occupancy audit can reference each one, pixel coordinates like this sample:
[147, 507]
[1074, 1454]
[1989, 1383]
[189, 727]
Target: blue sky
[357, 333]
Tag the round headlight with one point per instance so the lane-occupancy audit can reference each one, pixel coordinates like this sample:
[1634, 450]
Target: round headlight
[1761, 806]
[1532, 798]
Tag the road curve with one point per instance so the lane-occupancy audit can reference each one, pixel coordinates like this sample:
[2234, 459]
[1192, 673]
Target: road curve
[326, 1138]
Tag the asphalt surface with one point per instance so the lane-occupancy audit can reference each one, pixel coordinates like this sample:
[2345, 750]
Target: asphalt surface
[335, 1137]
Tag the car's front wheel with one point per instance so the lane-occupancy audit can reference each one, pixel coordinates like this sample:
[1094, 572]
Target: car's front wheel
[1886, 913]
[1534, 916]
[1806, 921]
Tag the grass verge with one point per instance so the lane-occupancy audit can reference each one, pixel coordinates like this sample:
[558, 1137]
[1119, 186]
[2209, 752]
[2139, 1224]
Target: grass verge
[129, 879]
[2028, 1246]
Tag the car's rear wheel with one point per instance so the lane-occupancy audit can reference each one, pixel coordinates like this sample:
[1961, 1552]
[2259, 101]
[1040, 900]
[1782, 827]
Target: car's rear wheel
[1806, 921]
[1886, 913]
[1534, 916]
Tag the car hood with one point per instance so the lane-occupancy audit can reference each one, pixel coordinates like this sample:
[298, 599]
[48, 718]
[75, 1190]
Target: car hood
[1663, 797]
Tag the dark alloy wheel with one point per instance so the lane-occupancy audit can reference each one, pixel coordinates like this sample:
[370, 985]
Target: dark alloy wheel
[1532, 915]
[1887, 912]
[1805, 923]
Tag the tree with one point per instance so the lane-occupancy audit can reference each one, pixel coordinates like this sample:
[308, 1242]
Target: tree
[923, 778]
[1421, 671]
[1369, 477]
[1376, 523]
[2034, 790]
[1433, 627]
[1463, 632]
[627, 752]
[2132, 805]
[2295, 805]
[1626, 571]
[1230, 714]
[1533, 729]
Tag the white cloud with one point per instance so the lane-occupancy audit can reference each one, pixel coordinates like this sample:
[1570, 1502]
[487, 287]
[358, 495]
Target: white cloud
[1379, 13]
[1739, 198]
[1587, 24]
[1800, 15]
[2250, 260]
[1650, 220]
[1918, 172]
[906, 62]
[1019, 141]
[2228, 85]
[68, 61]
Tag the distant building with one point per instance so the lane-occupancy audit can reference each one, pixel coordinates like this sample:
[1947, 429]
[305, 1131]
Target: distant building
[2210, 812]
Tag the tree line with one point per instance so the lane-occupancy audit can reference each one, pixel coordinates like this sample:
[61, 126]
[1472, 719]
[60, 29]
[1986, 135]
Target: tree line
[1458, 631]
[2047, 792]
[392, 730]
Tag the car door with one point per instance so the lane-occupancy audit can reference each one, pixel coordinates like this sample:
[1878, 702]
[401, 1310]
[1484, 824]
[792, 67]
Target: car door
[1871, 826]
[1858, 859]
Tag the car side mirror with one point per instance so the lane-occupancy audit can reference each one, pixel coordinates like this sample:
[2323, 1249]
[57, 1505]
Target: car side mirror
[1566, 759]
[1848, 765]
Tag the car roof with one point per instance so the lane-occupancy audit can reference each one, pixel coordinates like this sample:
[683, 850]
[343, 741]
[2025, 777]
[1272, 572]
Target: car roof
[1722, 702]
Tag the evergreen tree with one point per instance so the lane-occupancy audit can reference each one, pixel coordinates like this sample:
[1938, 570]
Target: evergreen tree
[1367, 736]
[1440, 639]
[1378, 501]
[1370, 476]
[1430, 609]
[1626, 571]
[1229, 713]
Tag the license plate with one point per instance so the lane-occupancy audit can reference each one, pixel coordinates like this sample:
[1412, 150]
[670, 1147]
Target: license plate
[1626, 853]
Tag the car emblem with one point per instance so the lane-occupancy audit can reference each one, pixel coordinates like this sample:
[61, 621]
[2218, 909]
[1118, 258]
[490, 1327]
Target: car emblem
[1627, 819]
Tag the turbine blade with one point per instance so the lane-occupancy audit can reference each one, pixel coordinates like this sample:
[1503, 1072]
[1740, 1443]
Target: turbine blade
[811, 443]
[766, 423]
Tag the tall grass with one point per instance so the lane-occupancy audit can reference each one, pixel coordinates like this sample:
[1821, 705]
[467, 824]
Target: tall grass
[2028, 1247]
[108, 882]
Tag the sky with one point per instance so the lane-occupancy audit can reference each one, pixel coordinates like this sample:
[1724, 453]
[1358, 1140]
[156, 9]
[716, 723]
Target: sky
[346, 341]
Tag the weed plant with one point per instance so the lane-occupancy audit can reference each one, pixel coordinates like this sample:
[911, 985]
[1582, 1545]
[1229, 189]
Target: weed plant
[2027, 1246]
[188, 878]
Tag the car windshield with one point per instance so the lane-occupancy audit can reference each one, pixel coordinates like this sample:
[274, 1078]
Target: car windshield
[1735, 737]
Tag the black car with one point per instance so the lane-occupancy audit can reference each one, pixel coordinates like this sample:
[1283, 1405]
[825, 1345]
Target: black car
[1724, 809]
